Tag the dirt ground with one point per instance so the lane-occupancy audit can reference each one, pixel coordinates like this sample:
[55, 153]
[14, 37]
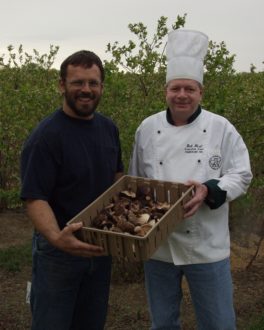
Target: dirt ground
[127, 305]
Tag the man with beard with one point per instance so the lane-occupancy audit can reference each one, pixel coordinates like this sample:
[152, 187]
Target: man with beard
[72, 157]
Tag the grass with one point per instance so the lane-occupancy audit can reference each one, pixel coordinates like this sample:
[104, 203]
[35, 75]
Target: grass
[258, 325]
[14, 258]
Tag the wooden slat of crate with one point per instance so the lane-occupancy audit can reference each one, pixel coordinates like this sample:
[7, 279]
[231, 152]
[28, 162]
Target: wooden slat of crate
[134, 248]
[116, 245]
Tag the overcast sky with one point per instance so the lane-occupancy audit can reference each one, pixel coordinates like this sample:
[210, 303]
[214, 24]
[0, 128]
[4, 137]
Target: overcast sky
[87, 24]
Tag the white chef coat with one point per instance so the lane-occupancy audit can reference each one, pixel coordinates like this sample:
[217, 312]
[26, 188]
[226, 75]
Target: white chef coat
[207, 148]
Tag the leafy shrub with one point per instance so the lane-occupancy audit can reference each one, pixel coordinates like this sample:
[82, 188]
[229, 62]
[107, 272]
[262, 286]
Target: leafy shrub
[134, 89]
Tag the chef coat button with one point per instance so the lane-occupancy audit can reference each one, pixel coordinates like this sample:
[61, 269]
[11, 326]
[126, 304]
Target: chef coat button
[187, 231]
[159, 132]
[161, 163]
[204, 130]
[199, 161]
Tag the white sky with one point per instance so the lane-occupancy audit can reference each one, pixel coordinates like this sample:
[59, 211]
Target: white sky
[87, 24]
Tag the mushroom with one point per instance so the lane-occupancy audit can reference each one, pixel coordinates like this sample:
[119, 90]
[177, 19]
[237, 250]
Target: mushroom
[120, 208]
[143, 230]
[131, 213]
[99, 221]
[152, 223]
[157, 215]
[109, 206]
[135, 206]
[137, 229]
[125, 225]
[165, 206]
[143, 218]
[127, 193]
[132, 218]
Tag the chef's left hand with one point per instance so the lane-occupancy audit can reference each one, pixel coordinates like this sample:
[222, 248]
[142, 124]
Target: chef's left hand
[200, 193]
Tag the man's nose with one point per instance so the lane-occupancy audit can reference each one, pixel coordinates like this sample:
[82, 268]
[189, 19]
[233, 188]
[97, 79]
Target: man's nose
[181, 92]
[86, 86]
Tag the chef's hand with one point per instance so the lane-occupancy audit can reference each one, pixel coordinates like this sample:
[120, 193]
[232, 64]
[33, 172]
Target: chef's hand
[200, 193]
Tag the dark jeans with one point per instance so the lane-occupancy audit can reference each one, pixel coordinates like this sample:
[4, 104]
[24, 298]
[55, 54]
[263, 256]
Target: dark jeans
[68, 293]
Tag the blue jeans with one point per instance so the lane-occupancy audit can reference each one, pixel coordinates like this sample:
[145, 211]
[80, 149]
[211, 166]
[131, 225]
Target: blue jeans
[210, 288]
[67, 292]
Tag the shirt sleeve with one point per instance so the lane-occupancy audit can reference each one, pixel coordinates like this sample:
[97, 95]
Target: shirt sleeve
[236, 173]
[216, 196]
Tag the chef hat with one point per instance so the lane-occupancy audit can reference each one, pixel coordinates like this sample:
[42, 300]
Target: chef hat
[185, 53]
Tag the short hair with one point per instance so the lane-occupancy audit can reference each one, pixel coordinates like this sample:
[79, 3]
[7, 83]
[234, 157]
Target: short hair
[83, 58]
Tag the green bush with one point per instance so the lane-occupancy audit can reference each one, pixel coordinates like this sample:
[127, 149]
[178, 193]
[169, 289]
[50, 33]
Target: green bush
[134, 89]
[28, 92]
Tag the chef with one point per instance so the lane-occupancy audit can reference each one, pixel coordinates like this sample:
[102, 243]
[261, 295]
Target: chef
[188, 144]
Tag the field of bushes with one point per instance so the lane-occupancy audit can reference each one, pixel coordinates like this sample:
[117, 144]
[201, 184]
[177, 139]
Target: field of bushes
[134, 89]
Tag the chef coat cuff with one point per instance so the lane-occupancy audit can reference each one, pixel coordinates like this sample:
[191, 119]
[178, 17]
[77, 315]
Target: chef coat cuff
[216, 196]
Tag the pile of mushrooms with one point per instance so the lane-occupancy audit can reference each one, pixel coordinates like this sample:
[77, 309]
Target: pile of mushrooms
[131, 213]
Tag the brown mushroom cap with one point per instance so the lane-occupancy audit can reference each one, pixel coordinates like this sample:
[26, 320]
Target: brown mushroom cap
[130, 212]
[143, 218]
[125, 225]
[143, 230]
[127, 193]
[164, 206]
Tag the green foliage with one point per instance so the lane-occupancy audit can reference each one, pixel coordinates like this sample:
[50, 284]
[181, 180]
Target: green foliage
[239, 97]
[218, 70]
[135, 79]
[12, 259]
[218, 60]
[146, 57]
[134, 90]
[20, 58]
[28, 92]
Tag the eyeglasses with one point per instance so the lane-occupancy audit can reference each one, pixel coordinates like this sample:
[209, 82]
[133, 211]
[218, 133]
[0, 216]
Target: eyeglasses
[79, 84]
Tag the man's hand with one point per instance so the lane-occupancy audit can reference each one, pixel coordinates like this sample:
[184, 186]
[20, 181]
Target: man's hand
[67, 242]
[45, 222]
[200, 193]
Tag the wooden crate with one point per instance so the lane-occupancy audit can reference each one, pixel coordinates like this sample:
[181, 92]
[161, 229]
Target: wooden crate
[131, 247]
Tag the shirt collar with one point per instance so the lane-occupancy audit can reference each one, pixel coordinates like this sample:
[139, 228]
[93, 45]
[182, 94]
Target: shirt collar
[190, 119]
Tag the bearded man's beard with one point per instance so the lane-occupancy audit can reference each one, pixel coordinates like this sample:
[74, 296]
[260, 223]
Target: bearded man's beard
[82, 110]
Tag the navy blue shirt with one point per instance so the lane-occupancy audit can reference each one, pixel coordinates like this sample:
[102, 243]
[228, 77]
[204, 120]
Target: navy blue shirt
[69, 162]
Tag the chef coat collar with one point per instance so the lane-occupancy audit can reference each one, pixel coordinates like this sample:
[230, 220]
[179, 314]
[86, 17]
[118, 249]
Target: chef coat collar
[190, 119]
